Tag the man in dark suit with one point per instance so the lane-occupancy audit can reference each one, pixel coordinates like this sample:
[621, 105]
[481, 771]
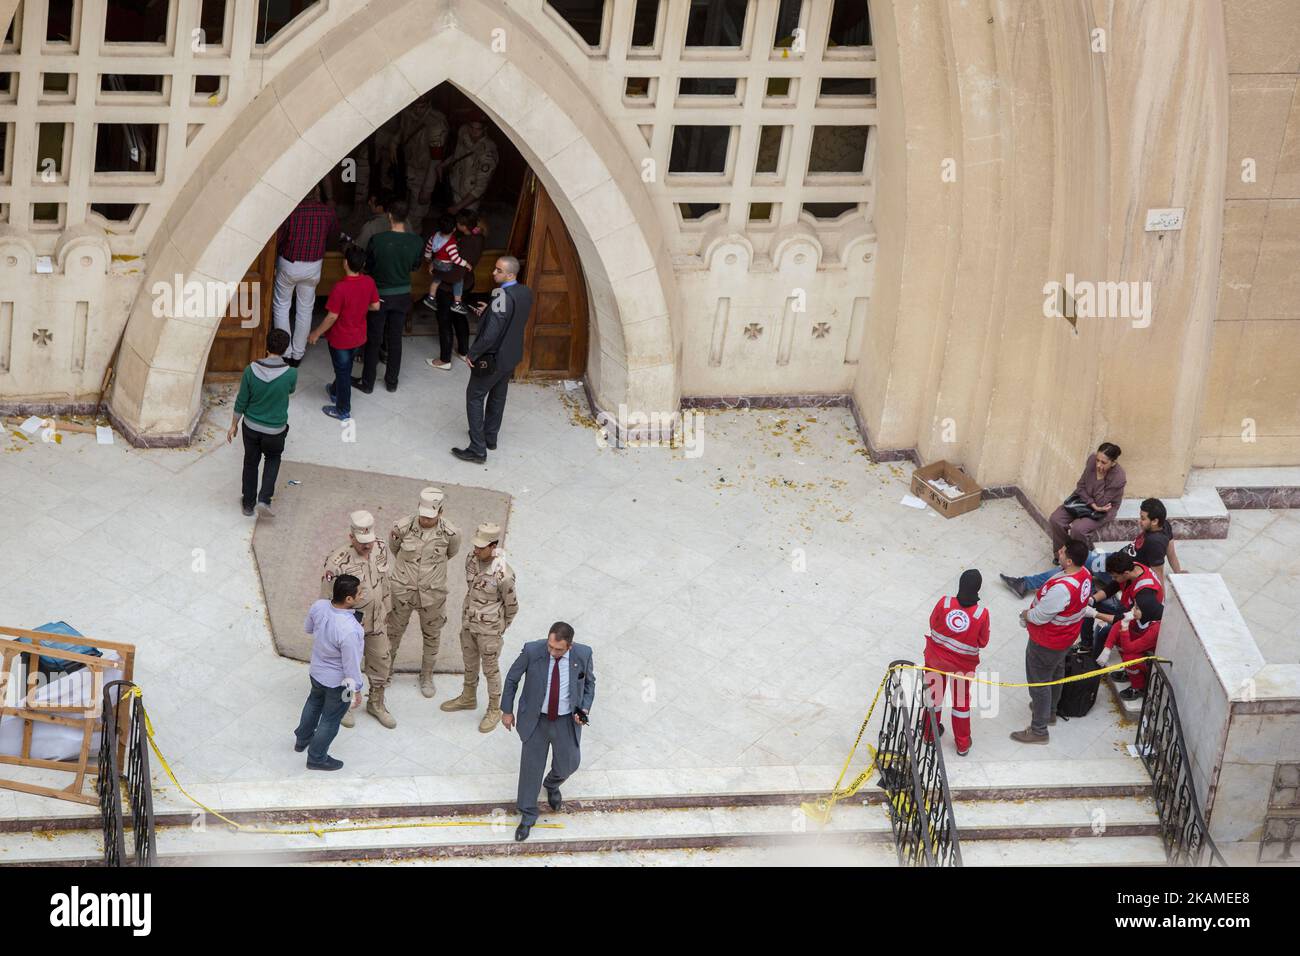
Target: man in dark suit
[499, 344]
[559, 687]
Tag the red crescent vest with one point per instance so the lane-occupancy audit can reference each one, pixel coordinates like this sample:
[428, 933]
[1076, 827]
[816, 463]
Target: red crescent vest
[1063, 630]
[1146, 579]
[955, 632]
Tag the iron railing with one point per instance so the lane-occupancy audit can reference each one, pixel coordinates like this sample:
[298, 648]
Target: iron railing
[912, 775]
[1160, 746]
[139, 791]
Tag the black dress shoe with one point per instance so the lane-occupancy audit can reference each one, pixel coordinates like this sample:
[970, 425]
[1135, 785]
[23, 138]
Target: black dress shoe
[356, 383]
[491, 445]
[521, 832]
[554, 799]
[391, 387]
[464, 454]
[1017, 585]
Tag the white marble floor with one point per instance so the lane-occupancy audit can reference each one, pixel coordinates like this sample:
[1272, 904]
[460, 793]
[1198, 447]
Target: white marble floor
[742, 605]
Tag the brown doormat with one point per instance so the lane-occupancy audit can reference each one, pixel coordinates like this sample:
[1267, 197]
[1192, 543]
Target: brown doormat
[311, 520]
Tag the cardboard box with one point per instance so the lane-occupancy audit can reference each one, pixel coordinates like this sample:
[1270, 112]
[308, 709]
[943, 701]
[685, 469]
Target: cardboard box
[968, 500]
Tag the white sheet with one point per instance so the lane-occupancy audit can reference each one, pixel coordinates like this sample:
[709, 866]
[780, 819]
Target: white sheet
[50, 741]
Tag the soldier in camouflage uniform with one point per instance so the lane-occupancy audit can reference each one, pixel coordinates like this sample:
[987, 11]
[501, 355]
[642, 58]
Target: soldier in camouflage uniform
[367, 558]
[423, 140]
[421, 545]
[490, 606]
[471, 166]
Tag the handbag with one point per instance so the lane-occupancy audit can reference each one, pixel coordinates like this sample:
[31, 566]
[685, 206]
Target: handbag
[1076, 507]
[485, 364]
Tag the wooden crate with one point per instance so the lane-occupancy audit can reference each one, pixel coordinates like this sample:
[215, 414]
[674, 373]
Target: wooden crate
[87, 719]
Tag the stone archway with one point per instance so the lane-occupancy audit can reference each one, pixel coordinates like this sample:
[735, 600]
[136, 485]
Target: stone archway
[364, 71]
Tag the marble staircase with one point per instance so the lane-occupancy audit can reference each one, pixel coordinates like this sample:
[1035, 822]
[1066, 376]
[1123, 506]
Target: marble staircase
[1090, 812]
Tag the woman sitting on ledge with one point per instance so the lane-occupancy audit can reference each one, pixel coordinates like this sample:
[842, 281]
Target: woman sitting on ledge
[1095, 501]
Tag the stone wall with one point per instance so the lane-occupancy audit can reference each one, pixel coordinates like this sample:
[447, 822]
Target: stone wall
[1251, 415]
[1240, 714]
[1023, 141]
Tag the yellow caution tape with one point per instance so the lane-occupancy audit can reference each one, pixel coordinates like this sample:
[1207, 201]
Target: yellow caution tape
[314, 829]
[819, 810]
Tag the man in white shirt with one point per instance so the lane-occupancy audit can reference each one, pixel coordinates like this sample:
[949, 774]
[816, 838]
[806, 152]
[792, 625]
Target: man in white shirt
[337, 648]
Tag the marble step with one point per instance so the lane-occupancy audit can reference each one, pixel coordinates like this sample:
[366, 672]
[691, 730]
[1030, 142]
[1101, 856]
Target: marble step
[1112, 851]
[582, 831]
[289, 800]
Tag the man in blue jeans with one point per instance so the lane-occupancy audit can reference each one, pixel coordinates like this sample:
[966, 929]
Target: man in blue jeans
[336, 653]
[1151, 546]
[344, 328]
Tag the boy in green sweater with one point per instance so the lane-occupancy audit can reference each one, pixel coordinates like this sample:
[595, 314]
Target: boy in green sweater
[263, 403]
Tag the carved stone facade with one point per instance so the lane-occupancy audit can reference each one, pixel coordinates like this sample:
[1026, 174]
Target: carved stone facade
[732, 245]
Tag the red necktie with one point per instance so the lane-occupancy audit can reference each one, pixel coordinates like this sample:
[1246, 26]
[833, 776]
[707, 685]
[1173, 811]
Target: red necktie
[553, 704]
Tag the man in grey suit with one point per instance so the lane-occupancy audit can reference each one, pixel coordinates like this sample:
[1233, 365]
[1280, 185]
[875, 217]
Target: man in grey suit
[559, 687]
[497, 349]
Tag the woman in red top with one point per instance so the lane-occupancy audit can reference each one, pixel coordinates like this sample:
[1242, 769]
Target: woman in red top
[959, 627]
[344, 328]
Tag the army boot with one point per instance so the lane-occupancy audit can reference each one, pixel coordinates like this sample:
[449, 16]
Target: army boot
[375, 707]
[426, 679]
[492, 717]
[467, 700]
[350, 717]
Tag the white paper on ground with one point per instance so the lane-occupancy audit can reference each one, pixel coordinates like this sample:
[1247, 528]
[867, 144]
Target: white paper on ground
[32, 425]
[104, 434]
[571, 386]
[913, 502]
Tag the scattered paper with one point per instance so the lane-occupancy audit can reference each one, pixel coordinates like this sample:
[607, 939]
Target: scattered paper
[32, 425]
[571, 386]
[913, 502]
[104, 434]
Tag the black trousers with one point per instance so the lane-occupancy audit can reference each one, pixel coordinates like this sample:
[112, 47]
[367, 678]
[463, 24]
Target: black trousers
[386, 325]
[450, 324]
[259, 445]
[493, 389]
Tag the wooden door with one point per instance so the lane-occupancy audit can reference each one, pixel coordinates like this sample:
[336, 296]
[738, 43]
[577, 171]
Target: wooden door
[235, 346]
[555, 341]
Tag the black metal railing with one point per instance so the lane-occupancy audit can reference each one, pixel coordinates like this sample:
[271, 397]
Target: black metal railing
[1160, 746]
[139, 791]
[912, 774]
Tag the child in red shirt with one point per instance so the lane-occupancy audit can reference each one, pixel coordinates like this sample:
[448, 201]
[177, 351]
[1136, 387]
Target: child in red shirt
[344, 328]
[443, 256]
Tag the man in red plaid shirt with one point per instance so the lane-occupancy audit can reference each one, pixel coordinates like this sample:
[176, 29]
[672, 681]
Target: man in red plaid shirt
[300, 252]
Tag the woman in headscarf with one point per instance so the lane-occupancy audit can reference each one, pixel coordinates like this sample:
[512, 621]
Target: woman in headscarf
[959, 627]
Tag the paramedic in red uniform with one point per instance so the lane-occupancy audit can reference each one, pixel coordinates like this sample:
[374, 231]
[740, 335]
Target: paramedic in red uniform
[1142, 589]
[1053, 620]
[959, 627]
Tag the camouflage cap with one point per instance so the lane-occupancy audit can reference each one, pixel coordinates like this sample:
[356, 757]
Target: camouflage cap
[363, 526]
[431, 502]
[487, 534]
